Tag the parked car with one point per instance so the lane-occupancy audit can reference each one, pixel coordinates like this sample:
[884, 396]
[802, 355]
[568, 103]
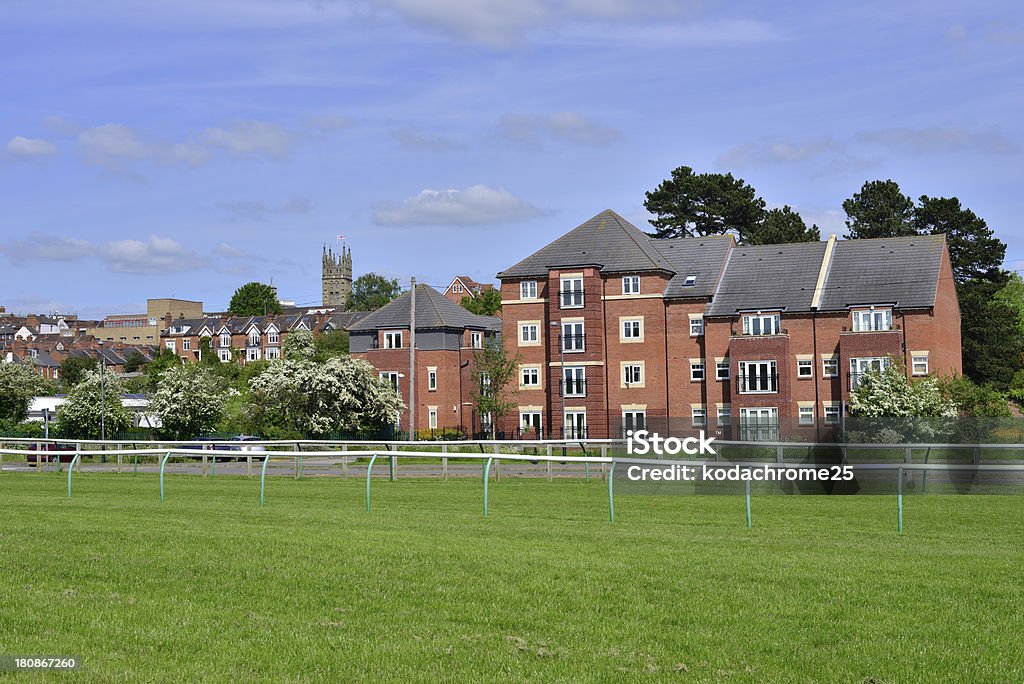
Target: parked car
[50, 453]
[207, 444]
[246, 447]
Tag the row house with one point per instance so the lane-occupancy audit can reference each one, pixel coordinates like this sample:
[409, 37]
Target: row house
[246, 338]
[618, 330]
[463, 286]
[447, 338]
[47, 353]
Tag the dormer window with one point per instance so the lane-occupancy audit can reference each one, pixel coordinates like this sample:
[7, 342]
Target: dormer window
[761, 324]
[225, 339]
[872, 319]
[393, 339]
[272, 336]
[690, 280]
[631, 285]
[254, 337]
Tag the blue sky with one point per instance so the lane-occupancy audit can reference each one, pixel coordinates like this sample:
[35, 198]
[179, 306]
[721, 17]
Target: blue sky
[152, 149]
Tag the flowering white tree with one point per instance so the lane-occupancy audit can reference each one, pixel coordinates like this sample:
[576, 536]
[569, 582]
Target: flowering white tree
[18, 384]
[189, 400]
[298, 346]
[889, 394]
[341, 395]
[80, 416]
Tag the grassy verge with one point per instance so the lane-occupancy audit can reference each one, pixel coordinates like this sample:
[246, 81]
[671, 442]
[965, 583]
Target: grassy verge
[208, 586]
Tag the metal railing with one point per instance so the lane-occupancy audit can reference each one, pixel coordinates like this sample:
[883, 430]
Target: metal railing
[574, 343]
[763, 383]
[575, 387]
[570, 299]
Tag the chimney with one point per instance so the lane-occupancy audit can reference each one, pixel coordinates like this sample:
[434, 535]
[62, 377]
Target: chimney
[168, 319]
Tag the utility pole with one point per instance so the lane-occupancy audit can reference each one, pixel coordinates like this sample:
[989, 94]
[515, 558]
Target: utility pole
[412, 362]
[103, 393]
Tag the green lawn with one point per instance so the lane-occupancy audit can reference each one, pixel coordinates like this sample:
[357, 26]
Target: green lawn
[208, 586]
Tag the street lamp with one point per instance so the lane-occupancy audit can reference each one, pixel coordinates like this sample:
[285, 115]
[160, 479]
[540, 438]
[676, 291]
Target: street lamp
[103, 393]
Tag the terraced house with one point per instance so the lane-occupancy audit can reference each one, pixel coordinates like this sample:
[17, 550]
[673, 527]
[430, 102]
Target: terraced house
[618, 330]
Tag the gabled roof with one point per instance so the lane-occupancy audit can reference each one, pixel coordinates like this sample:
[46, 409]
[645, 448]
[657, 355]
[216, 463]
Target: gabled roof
[769, 277]
[702, 257]
[433, 311]
[902, 271]
[607, 240]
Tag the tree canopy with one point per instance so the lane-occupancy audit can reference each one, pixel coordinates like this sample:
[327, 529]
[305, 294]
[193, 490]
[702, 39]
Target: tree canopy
[487, 303]
[81, 416]
[298, 346]
[372, 291]
[492, 374]
[18, 385]
[74, 368]
[974, 250]
[888, 393]
[254, 299]
[880, 209]
[189, 401]
[781, 226]
[692, 204]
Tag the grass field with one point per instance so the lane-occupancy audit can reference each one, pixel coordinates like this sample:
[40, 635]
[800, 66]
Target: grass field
[208, 586]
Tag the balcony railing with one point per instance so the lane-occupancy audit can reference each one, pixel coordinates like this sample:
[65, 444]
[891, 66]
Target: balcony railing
[574, 343]
[763, 383]
[574, 388]
[570, 299]
[574, 432]
[759, 431]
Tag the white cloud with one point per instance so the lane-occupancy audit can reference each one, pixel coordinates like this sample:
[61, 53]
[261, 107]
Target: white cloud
[328, 123]
[250, 138]
[112, 146]
[770, 152]
[936, 140]
[30, 148]
[476, 205]
[60, 126]
[569, 127]
[153, 255]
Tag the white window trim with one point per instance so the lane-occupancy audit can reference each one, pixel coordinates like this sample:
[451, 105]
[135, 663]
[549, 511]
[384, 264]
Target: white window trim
[914, 360]
[530, 367]
[391, 335]
[623, 365]
[805, 364]
[524, 289]
[776, 324]
[562, 290]
[630, 290]
[524, 325]
[698, 365]
[431, 378]
[623, 320]
[698, 415]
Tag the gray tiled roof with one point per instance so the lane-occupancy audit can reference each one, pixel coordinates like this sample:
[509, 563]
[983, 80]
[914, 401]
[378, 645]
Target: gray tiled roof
[702, 257]
[903, 271]
[433, 310]
[606, 240]
[769, 277]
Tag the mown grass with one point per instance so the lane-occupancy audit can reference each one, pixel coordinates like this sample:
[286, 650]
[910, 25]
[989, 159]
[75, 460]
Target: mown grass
[208, 586]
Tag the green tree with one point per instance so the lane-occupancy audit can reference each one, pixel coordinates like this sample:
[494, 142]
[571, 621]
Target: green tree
[371, 291]
[487, 303]
[18, 385]
[134, 361]
[331, 344]
[693, 205]
[990, 325]
[81, 414]
[974, 250]
[493, 389]
[74, 368]
[189, 401]
[1012, 295]
[781, 226]
[880, 209]
[971, 400]
[298, 346]
[154, 370]
[207, 355]
[254, 299]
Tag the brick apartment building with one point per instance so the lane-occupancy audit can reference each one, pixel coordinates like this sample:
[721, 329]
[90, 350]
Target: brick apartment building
[447, 336]
[617, 330]
[246, 338]
[464, 286]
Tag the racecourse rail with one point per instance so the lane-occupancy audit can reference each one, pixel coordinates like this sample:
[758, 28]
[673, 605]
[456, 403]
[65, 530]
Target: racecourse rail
[374, 449]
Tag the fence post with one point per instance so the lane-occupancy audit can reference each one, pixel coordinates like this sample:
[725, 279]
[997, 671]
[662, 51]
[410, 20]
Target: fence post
[118, 459]
[604, 455]
[369, 472]
[778, 454]
[908, 455]
[899, 501]
[71, 469]
[487, 469]
[748, 502]
[497, 464]
[444, 463]
[611, 494]
[248, 465]
[162, 464]
[135, 467]
[548, 463]
[977, 455]
[263, 477]
[206, 466]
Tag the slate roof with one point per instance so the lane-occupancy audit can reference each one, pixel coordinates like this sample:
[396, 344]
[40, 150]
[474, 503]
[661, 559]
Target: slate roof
[433, 311]
[607, 240]
[702, 257]
[769, 277]
[902, 271]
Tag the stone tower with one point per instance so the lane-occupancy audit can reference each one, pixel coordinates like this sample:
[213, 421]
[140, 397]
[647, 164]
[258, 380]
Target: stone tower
[336, 276]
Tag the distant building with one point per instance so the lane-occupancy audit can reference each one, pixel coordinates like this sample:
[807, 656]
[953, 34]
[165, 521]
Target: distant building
[145, 328]
[464, 286]
[336, 277]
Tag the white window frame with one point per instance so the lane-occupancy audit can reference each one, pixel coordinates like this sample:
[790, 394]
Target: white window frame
[393, 377]
[698, 416]
[632, 330]
[832, 414]
[570, 289]
[254, 338]
[431, 379]
[859, 365]
[252, 354]
[528, 289]
[578, 381]
[806, 415]
[744, 376]
[690, 280]
[919, 364]
[579, 341]
[719, 367]
[724, 412]
[169, 344]
[531, 420]
[186, 344]
[225, 339]
[872, 320]
[529, 334]
[273, 353]
[432, 418]
[224, 355]
[757, 324]
[696, 327]
[830, 367]
[633, 374]
[529, 376]
[630, 285]
[273, 337]
[634, 419]
[698, 371]
[391, 337]
[476, 340]
[579, 424]
[803, 365]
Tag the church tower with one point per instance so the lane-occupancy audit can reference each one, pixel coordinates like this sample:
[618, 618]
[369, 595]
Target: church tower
[336, 276]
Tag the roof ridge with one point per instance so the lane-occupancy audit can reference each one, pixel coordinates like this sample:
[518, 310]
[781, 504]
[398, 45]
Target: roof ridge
[625, 226]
